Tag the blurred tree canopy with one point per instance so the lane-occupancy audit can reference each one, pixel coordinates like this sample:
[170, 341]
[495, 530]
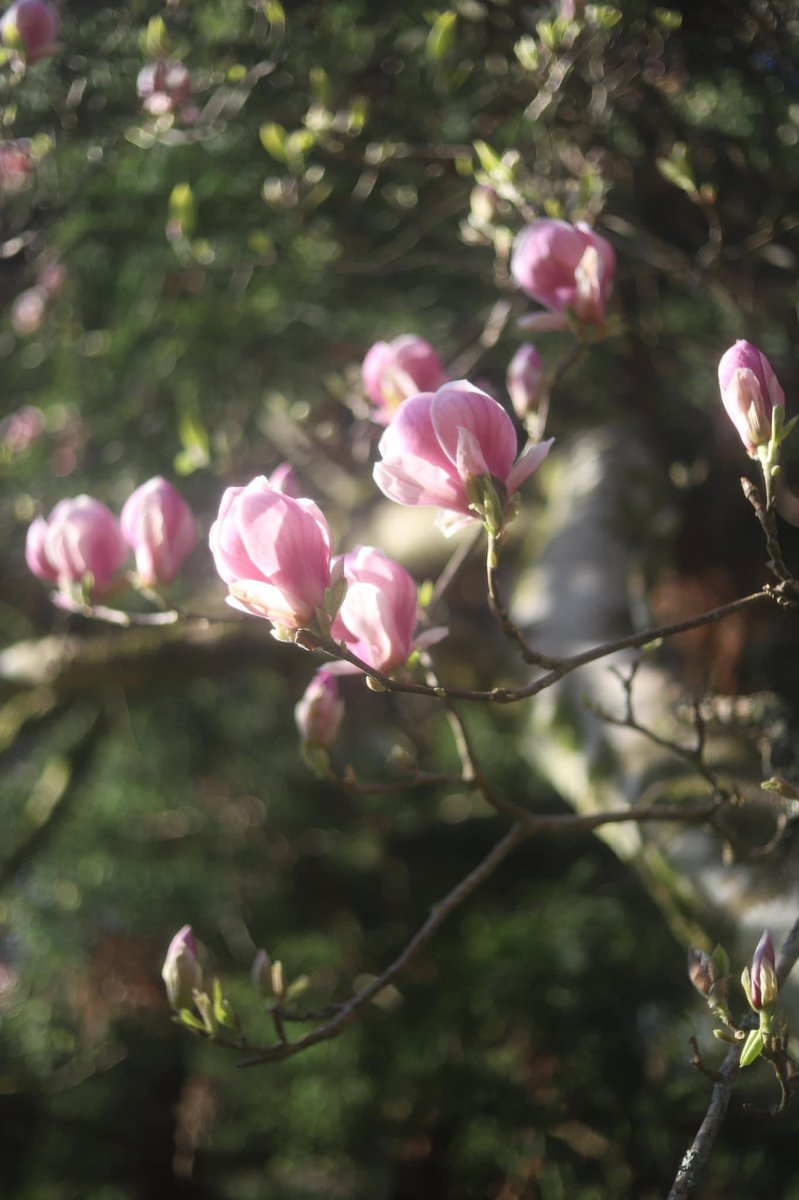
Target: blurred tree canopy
[340, 173]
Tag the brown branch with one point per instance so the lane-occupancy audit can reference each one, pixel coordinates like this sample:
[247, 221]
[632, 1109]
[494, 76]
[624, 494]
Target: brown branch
[696, 1159]
[509, 628]
[532, 825]
[566, 666]
[349, 1011]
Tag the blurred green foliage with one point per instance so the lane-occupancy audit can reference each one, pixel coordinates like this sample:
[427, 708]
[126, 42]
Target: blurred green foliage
[226, 273]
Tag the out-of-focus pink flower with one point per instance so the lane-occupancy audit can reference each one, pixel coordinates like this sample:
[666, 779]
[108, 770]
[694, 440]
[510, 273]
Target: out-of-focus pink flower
[80, 538]
[159, 526]
[320, 711]
[763, 988]
[750, 392]
[273, 552]
[441, 447]
[20, 429]
[393, 371]
[525, 381]
[31, 26]
[16, 165]
[181, 971]
[284, 479]
[377, 618]
[567, 268]
[53, 279]
[28, 311]
[164, 87]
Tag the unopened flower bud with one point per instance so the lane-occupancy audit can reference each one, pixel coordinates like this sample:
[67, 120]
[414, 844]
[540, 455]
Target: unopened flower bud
[30, 26]
[701, 971]
[158, 525]
[181, 972]
[262, 974]
[750, 391]
[526, 381]
[760, 983]
[320, 711]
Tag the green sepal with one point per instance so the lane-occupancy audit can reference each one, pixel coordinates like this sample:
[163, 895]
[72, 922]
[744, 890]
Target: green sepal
[223, 1010]
[298, 987]
[753, 1047]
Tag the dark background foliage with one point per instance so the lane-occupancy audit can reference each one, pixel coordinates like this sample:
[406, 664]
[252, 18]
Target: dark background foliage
[539, 1047]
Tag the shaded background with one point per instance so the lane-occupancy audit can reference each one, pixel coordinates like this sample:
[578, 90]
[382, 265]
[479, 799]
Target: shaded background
[325, 200]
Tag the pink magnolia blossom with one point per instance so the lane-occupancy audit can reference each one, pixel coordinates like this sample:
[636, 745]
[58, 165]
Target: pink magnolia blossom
[80, 538]
[31, 26]
[159, 526]
[567, 268]
[22, 428]
[525, 381]
[181, 972]
[377, 618]
[440, 447]
[320, 711]
[17, 165]
[273, 552]
[750, 392]
[165, 86]
[393, 371]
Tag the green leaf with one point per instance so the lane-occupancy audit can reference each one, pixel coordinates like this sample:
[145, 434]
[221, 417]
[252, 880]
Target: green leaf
[678, 172]
[273, 140]
[526, 50]
[155, 41]
[321, 90]
[441, 39]
[276, 16]
[298, 987]
[183, 208]
[753, 1048]
[668, 18]
[194, 439]
[489, 159]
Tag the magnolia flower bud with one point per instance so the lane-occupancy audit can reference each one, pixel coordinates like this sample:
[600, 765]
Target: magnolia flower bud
[261, 973]
[760, 983]
[80, 539]
[320, 711]
[525, 381]
[181, 972]
[273, 552]
[750, 391]
[567, 268]
[159, 526]
[393, 371]
[30, 26]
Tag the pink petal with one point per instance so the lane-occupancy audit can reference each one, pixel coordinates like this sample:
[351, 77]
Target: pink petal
[529, 462]
[458, 406]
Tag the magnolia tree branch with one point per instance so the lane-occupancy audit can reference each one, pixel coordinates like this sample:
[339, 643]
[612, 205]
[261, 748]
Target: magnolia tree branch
[565, 666]
[530, 826]
[697, 1157]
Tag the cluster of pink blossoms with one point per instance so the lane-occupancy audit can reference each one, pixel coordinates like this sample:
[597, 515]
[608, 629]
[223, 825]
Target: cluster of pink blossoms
[82, 541]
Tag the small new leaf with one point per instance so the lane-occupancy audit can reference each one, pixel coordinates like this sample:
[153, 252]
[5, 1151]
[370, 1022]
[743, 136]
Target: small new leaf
[753, 1048]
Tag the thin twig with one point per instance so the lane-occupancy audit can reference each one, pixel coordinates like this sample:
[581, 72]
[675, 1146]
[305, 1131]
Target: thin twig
[697, 1157]
[566, 666]
[508, 626]
[532, 825]
[349, 1011]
